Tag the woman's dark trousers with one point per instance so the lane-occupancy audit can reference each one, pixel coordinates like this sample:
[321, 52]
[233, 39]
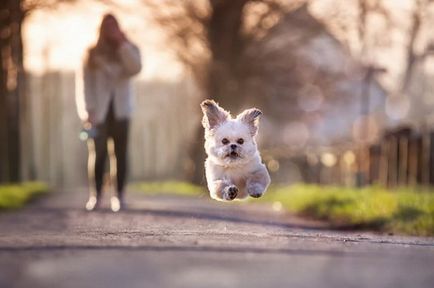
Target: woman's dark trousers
[117, 129]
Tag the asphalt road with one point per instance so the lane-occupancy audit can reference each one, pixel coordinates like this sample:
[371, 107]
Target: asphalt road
[184, 242]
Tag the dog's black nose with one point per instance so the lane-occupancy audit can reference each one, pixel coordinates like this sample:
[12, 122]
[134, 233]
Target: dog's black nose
[233, 146]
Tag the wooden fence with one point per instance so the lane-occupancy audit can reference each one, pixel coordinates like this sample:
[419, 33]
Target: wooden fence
[402, 157]
[166, 114]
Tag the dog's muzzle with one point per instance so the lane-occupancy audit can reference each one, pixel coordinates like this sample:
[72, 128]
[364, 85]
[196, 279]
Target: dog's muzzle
[233, 154]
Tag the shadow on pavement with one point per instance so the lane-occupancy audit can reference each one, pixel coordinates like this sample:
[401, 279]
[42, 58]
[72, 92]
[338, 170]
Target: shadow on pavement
[220, 216]
[184, 248]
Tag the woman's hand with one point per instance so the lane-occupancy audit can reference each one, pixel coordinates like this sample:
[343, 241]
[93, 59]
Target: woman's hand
[115, 35]
[90, 117]
[119, 37]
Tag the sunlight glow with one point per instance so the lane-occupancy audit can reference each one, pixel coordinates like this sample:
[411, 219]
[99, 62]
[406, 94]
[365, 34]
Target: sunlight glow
[57, 39]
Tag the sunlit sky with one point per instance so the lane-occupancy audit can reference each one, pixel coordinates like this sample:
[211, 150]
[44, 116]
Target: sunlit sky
[57, 39]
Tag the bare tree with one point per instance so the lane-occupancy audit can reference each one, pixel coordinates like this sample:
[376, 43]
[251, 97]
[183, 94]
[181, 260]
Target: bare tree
[412, 56]
[11, 78]
[211, 37]
[12, 81]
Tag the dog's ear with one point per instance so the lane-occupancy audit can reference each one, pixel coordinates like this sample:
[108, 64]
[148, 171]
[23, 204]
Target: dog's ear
[213, 114]
[251, 118]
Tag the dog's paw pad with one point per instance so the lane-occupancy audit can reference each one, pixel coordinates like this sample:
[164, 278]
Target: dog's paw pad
[230, 192]
[255, 191]
[256, 195]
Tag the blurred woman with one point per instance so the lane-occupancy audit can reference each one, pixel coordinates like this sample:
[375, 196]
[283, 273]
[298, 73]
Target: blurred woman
[107, 72]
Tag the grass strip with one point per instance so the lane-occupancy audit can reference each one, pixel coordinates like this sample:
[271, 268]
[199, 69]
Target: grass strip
[402, 211]
[15, 196]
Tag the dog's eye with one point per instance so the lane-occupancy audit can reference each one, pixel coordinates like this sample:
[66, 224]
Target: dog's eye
[225, 141]
[240, 141]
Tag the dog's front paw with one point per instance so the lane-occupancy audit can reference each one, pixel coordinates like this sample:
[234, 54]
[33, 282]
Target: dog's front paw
[255, 190]
[230, 192]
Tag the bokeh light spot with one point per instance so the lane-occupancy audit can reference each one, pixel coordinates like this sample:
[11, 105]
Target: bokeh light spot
[397, 107]
[273, 165]
[310, 99]
[328, 159]
[296, 134]
[349, 158]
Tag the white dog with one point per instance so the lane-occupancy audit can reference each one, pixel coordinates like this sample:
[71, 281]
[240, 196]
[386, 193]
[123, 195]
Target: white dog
[233, 167]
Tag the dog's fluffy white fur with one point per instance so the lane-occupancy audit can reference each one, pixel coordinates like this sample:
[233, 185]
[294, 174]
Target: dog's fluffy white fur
[233, 168]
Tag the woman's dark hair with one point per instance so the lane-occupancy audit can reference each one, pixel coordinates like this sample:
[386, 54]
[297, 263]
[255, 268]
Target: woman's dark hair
[103, 47]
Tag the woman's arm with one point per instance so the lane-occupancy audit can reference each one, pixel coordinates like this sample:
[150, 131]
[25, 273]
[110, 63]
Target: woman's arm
[89, 93]
[130, 58]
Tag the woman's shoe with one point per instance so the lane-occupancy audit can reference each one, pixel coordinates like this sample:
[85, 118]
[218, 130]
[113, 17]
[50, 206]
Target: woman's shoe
[117, 204]
[92, 204]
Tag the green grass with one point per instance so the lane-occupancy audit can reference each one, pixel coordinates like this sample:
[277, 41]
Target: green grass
[17, 195]
[169, 187]
[402, 211]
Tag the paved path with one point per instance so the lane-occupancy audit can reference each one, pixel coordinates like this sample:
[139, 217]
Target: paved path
[181, 242]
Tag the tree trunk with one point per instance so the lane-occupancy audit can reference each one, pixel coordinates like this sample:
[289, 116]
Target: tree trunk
[11, 84]
[226, 46]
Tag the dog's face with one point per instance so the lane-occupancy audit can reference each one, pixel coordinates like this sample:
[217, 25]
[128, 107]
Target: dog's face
[229, 141]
